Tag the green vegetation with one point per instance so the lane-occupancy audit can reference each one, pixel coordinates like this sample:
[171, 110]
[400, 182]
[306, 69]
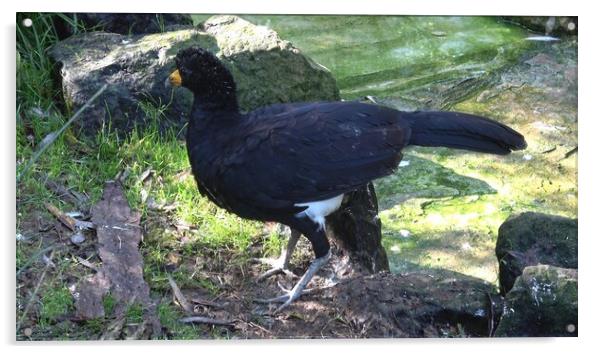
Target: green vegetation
[54, 302]
[83, 165]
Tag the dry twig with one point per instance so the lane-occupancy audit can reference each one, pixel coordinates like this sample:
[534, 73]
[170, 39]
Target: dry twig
[179, 296]
[206, 320]
[63, 218]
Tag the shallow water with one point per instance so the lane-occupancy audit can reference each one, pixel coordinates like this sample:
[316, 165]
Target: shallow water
[443, 207]
[404, 58]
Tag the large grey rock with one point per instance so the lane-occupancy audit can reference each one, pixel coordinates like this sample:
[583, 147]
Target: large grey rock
[531, 239]
[542, 303]
[267, 70]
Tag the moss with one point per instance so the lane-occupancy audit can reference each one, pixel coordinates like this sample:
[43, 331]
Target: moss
[169, 317]
[134, 313]
[109, 302]
[54, 303]
[421, 178]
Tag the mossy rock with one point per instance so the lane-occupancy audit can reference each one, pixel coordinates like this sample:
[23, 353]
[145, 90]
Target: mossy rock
[420, 178]
[533, 238]
[266, 69]
[542, 303]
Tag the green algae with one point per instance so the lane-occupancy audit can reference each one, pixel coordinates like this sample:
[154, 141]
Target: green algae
[401, 55]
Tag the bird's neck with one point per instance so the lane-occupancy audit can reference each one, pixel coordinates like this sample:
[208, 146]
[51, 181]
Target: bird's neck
[210, 113]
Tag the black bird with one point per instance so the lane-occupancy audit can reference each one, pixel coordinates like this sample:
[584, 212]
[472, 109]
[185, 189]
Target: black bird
[292, 163]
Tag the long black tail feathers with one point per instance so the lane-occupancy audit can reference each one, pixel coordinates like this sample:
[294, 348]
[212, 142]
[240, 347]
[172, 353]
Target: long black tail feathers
[463, 131]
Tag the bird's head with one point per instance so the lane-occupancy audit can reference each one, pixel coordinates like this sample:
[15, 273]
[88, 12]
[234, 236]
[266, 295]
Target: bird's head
[202, 72]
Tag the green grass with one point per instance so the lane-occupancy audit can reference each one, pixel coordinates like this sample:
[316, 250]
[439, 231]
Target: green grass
[83, 165]
[169, 316]
[54, 302]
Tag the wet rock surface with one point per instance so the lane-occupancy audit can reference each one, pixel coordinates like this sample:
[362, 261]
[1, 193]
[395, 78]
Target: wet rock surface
[530, 239]
[542, 303]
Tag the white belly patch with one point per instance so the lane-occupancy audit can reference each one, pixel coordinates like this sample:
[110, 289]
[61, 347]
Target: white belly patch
[318, 210]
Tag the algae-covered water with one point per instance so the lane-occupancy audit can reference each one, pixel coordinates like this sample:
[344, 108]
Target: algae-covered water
[443, 207]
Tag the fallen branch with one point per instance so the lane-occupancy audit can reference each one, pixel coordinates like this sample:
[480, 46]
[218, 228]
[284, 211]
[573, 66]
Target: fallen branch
[207, 303]
[63, 218]
[206, 320]
[179, 296]
[86, 263]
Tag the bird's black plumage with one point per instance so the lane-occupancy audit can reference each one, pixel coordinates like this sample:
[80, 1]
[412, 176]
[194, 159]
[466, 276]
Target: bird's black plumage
[263, 164]
[316, 151]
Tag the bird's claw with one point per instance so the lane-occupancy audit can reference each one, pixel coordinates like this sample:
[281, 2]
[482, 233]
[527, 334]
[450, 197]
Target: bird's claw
[277, 270]
[278, 267]
[287, 298]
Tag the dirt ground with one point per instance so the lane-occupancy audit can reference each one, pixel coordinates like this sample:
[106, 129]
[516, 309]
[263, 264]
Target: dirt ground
[417, 304]
[345, 303]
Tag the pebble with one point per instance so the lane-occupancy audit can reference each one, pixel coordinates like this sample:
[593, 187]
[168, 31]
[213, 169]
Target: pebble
[78, 238]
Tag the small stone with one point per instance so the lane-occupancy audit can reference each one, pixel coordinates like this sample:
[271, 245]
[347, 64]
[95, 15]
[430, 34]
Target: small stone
[439, 33]
[78, 238]
[27, 331]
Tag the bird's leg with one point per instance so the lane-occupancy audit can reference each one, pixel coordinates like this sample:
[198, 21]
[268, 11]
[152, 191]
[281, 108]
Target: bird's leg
[299, 288]
[281, 264]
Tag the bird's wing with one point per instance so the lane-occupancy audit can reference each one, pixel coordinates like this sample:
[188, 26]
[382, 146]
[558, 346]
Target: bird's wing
[301, 153]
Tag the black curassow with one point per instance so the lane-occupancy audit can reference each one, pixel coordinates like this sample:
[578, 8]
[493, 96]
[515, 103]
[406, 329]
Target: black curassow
[292, 163]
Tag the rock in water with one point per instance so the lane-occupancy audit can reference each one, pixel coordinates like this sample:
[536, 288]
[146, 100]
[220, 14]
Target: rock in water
[266, 69]
[532, 238]
[542, 303]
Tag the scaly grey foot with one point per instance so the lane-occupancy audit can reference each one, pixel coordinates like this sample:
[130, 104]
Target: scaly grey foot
[299, 288]
[281, 265]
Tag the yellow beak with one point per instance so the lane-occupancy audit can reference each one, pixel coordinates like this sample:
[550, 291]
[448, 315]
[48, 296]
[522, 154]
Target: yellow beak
[175, 79]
